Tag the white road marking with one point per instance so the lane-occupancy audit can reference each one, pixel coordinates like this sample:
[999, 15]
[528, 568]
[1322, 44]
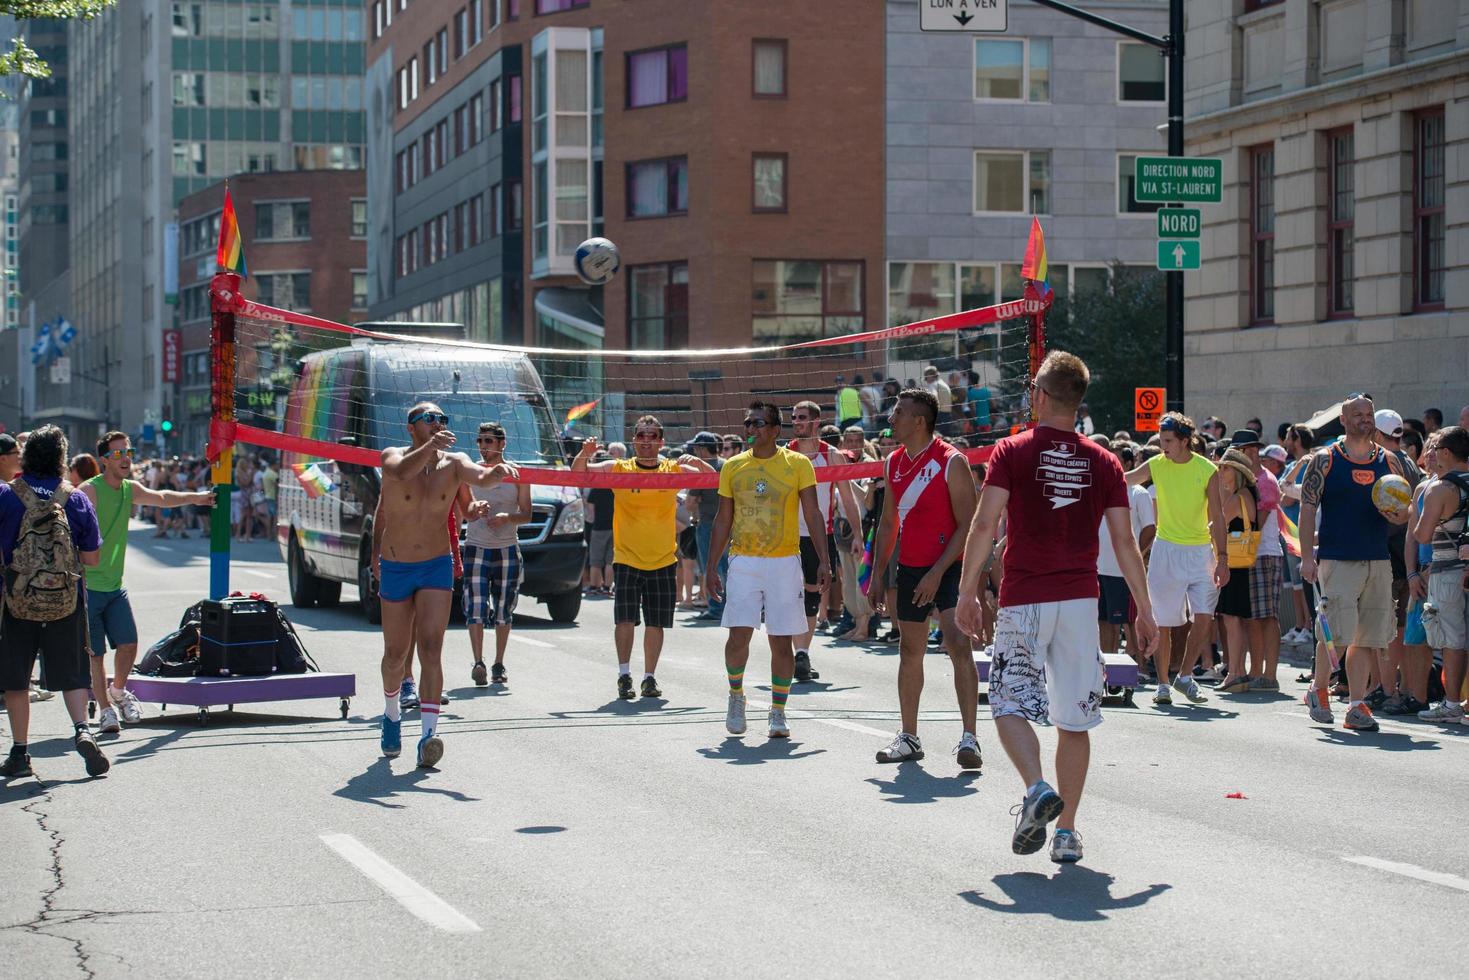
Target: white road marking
[1410, 871]
[535, 643]
[408, 893]
[259, 574]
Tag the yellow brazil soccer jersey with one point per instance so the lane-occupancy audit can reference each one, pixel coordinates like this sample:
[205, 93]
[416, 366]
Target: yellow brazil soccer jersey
[767, 500]
[644, 522]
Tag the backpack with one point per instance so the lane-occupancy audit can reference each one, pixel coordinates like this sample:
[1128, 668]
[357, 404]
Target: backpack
[45, 567]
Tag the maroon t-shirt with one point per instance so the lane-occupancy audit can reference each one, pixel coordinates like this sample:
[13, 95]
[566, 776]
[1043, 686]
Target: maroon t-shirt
[1060, 484]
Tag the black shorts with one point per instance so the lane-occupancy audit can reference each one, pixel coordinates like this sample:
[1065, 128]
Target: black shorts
[62, 646]
[810, 569]
[946, 596]
[1114, 600]
[653, 592]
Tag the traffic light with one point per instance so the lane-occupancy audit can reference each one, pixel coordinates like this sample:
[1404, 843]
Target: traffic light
[166, 426]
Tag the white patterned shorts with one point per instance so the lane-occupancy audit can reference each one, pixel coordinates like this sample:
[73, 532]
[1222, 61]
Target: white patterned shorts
[1048, 664]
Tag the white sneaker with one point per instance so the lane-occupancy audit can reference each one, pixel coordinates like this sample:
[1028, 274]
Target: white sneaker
[778, 726]
[1445, 712]
[1164, 695]
[1214, 673]
[108, 725]
[734, 716]
[903, 748]
[1066, 847]
[41, 694]
[128, 705]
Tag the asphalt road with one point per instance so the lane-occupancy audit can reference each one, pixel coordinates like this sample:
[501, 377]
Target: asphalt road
[568, 832]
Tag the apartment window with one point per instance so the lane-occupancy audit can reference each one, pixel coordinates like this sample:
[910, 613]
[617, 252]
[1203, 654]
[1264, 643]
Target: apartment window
[476, 119]
[1262, 234]
[442, 51]
[556, 6]
[497, 107]
[769, 68]
[359, 289]
[800, 299]
[359, 218]
[282, 220]
[1127, 202]
[512, 98]
[430, 152]
[1139, 73]
[430, 63]
[658, 76]
[658, 306]
[461, 128]
[493, 199]
[1341, 215]
[402, 170]
[656, 188]
[1428, 210]
[403, 96]
[495, 13]
[1013, 69]
[284, 290]
[476, 22]
[377, 20]
[413, 77]
[768, 175]
[514, 206]
[461, 32]
[447, 150]
[512, 9]
[1012, 182]
[476, 232]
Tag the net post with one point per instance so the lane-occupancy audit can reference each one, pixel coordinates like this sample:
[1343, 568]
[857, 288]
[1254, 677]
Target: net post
[223, 292]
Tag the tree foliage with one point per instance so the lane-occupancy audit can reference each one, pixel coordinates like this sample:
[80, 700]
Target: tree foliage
[1119, 332]
[21, 59]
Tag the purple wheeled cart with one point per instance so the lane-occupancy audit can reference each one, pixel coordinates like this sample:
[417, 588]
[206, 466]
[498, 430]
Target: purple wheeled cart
[1120, 674]
[208, 692]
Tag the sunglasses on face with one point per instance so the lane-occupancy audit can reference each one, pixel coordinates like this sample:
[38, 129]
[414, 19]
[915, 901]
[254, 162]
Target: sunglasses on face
[429, 417]
[118, 454]
[649, 436]
[756, 423]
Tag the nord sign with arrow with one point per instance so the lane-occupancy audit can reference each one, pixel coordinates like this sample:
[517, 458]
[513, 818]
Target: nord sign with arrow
[975, 16]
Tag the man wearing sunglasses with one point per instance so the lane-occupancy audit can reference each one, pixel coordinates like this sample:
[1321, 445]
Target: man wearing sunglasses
[761, 491]
[806, 422]
[1189, 565]
[419, 488]
[492, 565]
[113, 493]
[644, 549]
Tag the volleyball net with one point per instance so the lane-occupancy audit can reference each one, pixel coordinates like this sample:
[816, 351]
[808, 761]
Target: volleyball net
[315, 391]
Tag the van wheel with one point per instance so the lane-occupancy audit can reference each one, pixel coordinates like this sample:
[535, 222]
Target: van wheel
[564, 606]
[328, 593]
[305, 587]
[372, 606]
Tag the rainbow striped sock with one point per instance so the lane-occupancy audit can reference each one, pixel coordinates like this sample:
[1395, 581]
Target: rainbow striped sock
[780, 690]
[736, 681]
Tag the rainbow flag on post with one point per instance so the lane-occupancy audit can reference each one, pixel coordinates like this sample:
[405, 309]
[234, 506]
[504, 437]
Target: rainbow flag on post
[578, 412]
[864, 570]
[315, 482]
[230, 255]
[1035, 266]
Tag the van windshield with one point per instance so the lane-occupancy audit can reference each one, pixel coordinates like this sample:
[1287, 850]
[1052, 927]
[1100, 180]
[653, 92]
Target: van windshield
[529, 435]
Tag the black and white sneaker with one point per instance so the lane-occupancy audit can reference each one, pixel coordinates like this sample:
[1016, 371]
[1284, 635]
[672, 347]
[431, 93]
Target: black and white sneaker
[1039, 808]
[650, 688]
[498, 674]
[624, 687]
[903, 748]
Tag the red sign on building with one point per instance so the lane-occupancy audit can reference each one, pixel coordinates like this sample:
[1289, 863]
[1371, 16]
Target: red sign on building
[173, 340]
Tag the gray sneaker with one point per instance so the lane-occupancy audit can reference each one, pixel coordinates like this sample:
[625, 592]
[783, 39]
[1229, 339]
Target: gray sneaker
[1189, 688]
[1164, 696]
[1319, 704]
[734, 716]
[1066, 847]
[1039, 808]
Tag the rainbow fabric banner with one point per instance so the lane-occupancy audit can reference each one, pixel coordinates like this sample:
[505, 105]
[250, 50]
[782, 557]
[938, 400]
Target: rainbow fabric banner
[1290, 534]
[864, 570]
[313, 480]
[578, 412]
[230, 255]
[1035, 266]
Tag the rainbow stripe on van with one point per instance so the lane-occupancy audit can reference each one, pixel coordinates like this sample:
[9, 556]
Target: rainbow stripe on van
[318, 407]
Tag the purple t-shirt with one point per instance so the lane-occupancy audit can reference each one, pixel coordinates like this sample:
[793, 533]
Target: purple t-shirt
[80, 515]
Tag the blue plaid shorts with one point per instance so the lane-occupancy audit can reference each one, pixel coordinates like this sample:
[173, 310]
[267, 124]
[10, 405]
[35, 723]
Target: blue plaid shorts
[492, 578]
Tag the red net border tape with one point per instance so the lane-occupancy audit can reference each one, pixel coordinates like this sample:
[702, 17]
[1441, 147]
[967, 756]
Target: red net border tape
[536, 475]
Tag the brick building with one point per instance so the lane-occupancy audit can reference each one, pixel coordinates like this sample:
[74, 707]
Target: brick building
[1337, 259]
[731, 151]
[305, 237]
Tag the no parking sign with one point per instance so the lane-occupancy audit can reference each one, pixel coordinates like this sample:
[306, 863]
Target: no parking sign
[1147, 408]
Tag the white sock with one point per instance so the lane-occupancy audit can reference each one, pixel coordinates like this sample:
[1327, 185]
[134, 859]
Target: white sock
[799, 652]
[428, 713]
[624, 670]
[117, 694]
[393, 709]
[647, 676]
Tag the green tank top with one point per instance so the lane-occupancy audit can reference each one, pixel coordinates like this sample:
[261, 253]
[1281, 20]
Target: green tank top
[113, 508]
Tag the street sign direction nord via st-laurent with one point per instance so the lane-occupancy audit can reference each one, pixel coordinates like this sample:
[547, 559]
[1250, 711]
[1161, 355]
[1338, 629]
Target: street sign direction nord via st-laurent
[1178, 223]
[1177, 179]
[982, 16]
[1174, 256]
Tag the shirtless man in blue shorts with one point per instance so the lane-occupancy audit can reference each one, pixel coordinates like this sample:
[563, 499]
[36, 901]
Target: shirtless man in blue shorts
[420, 484]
